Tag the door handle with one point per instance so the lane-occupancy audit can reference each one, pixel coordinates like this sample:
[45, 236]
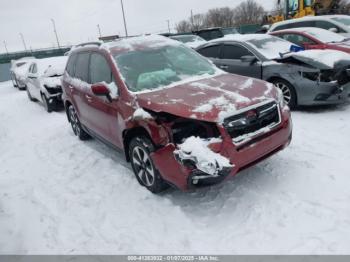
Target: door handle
[224, 66]
[89, 98]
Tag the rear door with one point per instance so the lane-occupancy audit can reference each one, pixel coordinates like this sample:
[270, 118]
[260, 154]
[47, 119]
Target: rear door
[231, 61]
[80, 87]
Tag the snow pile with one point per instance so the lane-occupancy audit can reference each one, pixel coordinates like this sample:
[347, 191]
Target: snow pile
[198, 148]
[141, 114]
[51, 82]
[53, 66]
[247, 84]
[326, 57]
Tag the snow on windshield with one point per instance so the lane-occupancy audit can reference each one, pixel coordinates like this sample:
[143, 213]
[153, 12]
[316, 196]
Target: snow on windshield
[160, 66]
[51, 66]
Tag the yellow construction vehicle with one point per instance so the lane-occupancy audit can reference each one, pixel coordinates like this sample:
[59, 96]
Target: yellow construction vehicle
[299, 8]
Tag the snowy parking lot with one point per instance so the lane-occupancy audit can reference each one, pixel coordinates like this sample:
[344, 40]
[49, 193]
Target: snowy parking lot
[59, 195]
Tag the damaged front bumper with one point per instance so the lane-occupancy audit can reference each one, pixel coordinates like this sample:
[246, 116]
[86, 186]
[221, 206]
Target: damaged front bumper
[184, 171]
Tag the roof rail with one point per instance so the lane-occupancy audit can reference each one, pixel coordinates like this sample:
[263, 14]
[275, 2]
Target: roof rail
[89, 43]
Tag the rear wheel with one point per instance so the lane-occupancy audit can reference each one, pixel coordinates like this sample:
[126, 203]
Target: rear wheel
[75, 123]
[146, 174]
[289, 94]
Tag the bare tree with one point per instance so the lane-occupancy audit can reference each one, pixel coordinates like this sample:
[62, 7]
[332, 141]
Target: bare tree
[183, 26]
[249, 12]
[220, 17]
[198, 22]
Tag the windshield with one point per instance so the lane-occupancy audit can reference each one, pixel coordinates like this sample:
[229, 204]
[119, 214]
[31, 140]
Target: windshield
[342, 20]
[187, 38]
[153, 68]
[326, 36]
[271, 47]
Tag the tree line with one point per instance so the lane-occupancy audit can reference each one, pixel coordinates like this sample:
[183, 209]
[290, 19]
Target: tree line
[248, 12]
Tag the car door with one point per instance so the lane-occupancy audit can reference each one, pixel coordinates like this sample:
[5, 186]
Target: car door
[80, 86]
[103, 113]
[231, 61]
[33, 81]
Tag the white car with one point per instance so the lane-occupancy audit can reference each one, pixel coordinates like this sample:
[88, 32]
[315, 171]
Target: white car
[336, 23]
[19, 69]
[44, 81]
[192, 41]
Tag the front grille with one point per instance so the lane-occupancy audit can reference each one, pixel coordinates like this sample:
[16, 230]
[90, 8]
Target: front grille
[248, 123]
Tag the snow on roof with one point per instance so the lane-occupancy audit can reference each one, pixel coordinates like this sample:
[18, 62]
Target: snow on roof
[322, 35]
[268, 45]
[133, 43]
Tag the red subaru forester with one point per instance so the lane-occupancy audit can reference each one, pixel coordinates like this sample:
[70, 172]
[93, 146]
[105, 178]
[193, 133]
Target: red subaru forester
[180, 120]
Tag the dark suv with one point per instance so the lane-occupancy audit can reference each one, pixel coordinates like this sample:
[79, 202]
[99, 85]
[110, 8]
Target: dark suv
[180, 120]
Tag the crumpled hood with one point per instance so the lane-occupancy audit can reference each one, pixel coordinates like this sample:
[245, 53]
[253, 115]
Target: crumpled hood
[212, 99]
[321, 59]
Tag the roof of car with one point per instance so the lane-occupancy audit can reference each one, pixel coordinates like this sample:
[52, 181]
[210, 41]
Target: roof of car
[241, 38]
[306, 18]
[302, 30]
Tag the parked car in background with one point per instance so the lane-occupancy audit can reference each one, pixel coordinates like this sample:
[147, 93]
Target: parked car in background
[44, 81]
[336, 23]
[179, 119]
[214, 33]
[192, 41]
[18, 71]
[312, 77]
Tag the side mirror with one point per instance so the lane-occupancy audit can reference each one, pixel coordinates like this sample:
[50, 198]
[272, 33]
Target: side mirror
[249, 59]
[101, 89]
[334, 30]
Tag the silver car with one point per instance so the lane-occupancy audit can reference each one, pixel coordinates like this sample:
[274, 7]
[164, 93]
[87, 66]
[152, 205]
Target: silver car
[312, 77]
[44, 81]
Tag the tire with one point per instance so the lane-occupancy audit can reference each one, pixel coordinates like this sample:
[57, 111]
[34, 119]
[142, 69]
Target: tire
[146, 174]
[76, 126]
[288, 91]
[49, 107]
[30, 96]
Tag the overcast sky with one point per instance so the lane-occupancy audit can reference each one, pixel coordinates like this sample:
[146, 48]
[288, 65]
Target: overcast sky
[76, 20]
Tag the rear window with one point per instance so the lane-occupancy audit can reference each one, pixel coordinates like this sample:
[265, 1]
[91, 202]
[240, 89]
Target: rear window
[211, 51]
[82, 67]
[71, 65]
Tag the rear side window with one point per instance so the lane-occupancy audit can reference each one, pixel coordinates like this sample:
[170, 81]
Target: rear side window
[82, 67]
[328, 25]
[235, 52]
[100, 70]
[211, 51]
[71, 65]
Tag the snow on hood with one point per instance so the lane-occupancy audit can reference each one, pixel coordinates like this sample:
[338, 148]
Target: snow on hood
[212, 99]
[322, 59]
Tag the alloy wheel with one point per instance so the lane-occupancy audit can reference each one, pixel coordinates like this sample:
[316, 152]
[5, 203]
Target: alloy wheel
[74, 121]
[287, 94]
[143, 166]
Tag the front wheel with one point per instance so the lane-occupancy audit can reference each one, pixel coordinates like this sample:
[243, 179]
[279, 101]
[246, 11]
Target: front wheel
[146, 174]
[289, 94]
[75, 123]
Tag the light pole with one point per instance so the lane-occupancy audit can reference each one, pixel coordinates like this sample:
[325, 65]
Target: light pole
[168, 21]
[99, 30]
[7, 51]
[54, 29]
[126, 30]
[24, 43]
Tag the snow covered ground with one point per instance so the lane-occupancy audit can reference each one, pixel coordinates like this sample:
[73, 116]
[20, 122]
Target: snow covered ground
[59, 195]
